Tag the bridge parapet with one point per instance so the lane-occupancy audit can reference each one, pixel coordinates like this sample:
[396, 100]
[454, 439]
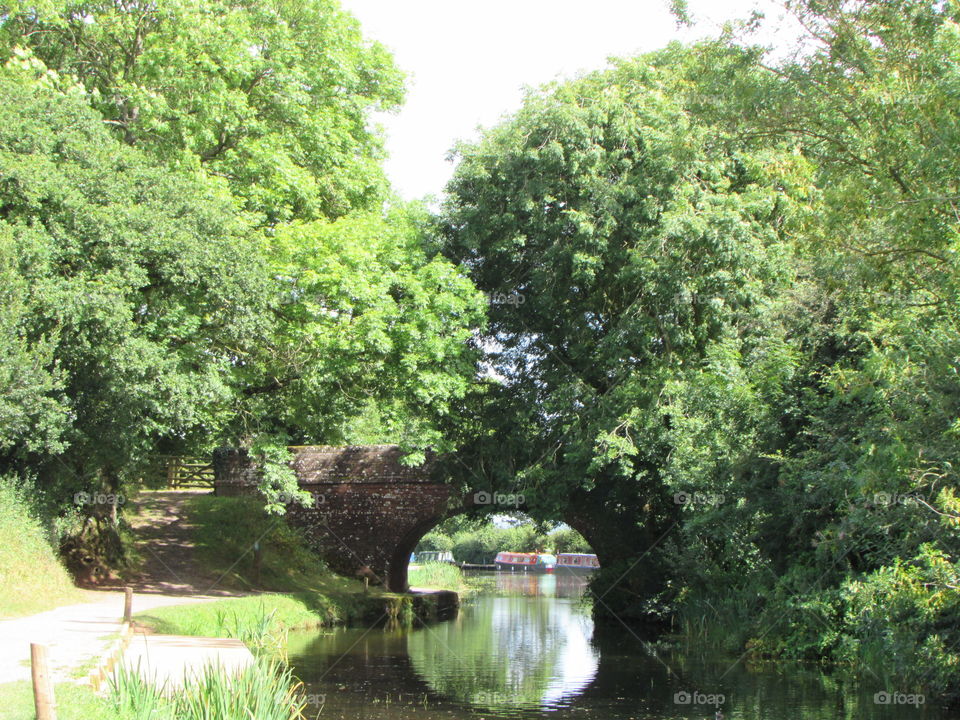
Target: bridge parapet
[369, 509]
[323, 464]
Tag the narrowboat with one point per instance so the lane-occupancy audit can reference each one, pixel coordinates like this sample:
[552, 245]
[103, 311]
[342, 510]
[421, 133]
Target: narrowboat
[525, 562]
[577, 563]
[435, 556]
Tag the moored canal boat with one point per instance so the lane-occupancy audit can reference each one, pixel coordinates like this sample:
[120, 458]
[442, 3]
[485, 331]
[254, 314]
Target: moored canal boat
[525, 562]
[577, 563]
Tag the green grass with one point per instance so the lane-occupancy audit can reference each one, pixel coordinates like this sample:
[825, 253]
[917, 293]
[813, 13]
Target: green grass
[437, 576]
[301, 590]
[235, 617]
[224, 530]
[32, 578]
[74, 702]
[266, 690]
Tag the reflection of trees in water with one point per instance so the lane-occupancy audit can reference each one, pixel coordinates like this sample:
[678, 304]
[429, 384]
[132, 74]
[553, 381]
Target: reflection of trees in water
[508, 651]
[631, 682]
[519, 654]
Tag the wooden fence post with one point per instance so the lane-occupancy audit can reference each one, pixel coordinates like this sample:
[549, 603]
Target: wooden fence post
[43, 697]
[127, 604]
[173, 470]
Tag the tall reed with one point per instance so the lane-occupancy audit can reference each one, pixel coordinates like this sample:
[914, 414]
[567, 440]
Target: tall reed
[265, 690]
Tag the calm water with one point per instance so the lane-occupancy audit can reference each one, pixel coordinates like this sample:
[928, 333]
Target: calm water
[526, 648]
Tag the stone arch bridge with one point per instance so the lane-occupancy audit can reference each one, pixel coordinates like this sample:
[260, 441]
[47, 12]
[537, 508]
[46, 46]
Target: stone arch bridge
[369, 510]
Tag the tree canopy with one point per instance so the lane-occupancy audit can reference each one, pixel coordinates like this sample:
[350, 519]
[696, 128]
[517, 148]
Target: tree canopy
[198, 244]
[272, 97]
[624, 251]
[722, 331]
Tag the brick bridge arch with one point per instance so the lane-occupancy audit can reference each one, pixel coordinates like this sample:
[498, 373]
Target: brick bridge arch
[369, 509]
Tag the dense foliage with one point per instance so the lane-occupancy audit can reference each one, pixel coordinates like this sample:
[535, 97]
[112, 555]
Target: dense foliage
[723, 333]
[274, 97]
[197, 246]
[701, 305]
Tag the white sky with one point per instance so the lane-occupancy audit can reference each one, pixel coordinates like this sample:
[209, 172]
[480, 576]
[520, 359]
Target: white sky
[468, 61]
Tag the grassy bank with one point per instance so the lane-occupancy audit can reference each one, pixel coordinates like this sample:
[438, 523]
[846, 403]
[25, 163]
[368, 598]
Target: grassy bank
[260, 621]
[265, 690]
[74, 702]
[32, 578]
[293, 583]
[437, 576]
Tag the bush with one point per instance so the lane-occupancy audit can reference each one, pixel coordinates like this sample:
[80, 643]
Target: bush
[568, 540]
[435, 541]
[905, 620]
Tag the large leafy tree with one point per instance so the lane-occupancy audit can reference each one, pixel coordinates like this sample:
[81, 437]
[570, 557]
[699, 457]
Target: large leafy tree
[273, 97]
[843, 538]
[873, 103]
[32, 407]
[620, 244]
[370, 335]
[134, 290]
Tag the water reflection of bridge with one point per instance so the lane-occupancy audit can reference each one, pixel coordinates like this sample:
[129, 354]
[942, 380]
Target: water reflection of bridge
[528, 650]
[523, 645]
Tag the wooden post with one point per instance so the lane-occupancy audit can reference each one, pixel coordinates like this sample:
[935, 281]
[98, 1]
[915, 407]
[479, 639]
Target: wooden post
[43, 697]
[257, 558]
[127, 604]
[366, 585]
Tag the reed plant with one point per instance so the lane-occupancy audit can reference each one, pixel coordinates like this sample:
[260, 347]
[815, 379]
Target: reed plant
[265, 690]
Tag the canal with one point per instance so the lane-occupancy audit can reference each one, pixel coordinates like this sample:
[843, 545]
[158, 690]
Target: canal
[525, 647]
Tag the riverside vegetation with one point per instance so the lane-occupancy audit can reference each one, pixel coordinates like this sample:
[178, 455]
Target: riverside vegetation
[701, 305]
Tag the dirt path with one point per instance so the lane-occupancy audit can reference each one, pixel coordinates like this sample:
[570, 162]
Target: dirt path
[165, 540]
[77, 635]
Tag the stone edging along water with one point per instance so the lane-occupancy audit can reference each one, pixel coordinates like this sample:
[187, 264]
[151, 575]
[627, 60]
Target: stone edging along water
[110, 659]
[425, 604]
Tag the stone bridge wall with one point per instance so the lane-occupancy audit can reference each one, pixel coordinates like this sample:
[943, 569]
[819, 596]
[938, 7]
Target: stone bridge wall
[369, 510]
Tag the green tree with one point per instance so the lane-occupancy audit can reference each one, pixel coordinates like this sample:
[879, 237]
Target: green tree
[369, 326]
[272, 97]
[136, 290]
[33, 409]
[847, 543]
[619, 244]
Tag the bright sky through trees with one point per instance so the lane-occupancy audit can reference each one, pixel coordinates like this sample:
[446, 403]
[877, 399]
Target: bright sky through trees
[469, 61]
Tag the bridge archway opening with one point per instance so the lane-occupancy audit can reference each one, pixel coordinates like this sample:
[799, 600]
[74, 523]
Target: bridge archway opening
[474, 539]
